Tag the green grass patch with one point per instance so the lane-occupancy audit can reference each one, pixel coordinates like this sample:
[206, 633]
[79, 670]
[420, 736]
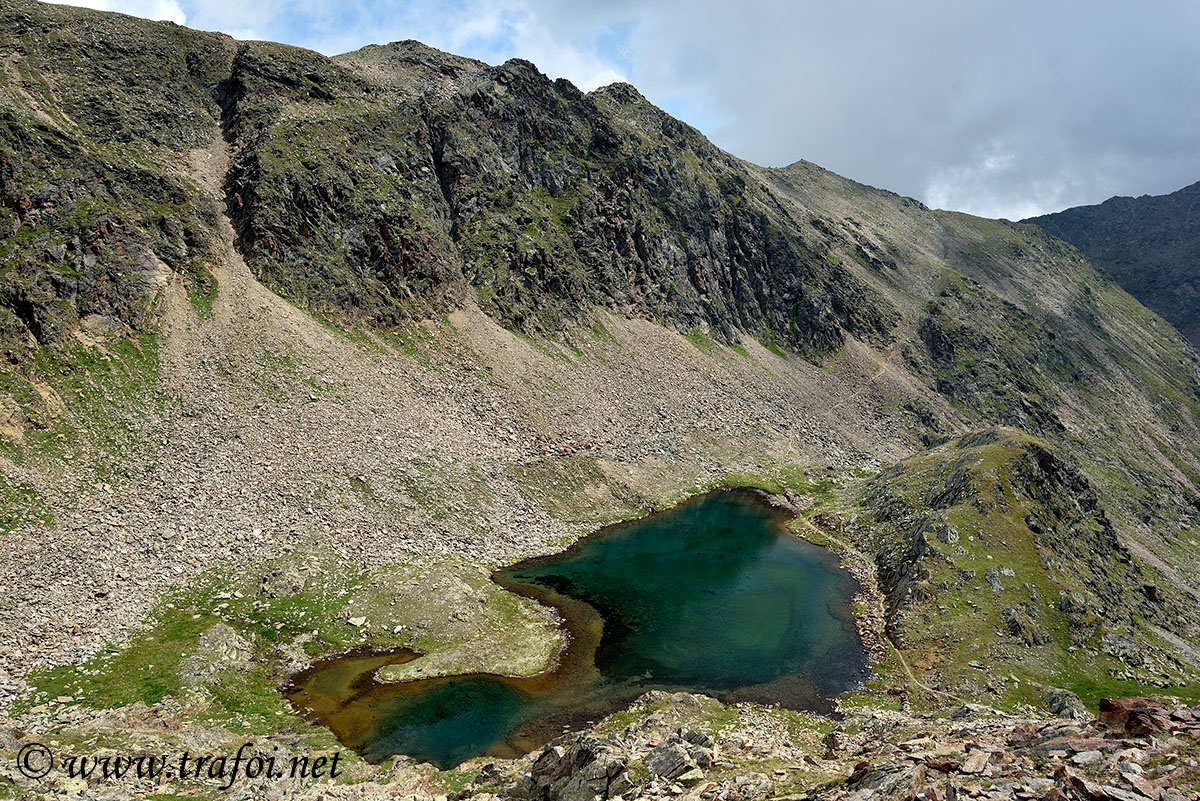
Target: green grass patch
[145, 670]
[85, 402]
[781, 478]
[454, 781]
[202, 291]
[600, 332]
[703, 342]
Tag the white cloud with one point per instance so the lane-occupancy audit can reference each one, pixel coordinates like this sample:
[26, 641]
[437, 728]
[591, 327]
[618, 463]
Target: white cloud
[490, 30]
[241, 19]
[169, 10]
[581, 65]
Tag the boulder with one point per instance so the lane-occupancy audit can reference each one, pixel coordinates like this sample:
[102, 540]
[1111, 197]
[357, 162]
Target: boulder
[1137, 716]
[578, 767]
[946, 533]
[975, 712]
[1066, 704]
[1071, 602]
[669, 760]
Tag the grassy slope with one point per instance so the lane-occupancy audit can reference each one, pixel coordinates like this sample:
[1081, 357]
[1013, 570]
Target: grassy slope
[971, 581]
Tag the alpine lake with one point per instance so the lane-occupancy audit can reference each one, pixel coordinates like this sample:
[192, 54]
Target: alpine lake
[712, 596]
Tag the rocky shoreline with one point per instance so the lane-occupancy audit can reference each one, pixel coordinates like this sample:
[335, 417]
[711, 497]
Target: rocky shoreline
[669, 747]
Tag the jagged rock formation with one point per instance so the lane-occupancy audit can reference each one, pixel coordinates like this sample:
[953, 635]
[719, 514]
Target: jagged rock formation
[1149, 244]
[438, 172]
[92, 214]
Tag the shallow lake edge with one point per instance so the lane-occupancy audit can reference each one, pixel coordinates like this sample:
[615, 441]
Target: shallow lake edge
[779, 501]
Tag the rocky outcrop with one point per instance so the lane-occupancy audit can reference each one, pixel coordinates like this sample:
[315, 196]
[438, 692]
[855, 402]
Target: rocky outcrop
[1013, 531]
[577, 767]
[992, 357]
[583, 766]
[93, 218]
[219, 650]
[1066, 704]
[875, 755]
[990, 758]
[542, 200]
[1141, 717]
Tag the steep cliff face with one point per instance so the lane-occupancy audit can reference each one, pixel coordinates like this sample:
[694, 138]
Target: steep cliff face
[1150, 245]
[443, 173]
[94, 112]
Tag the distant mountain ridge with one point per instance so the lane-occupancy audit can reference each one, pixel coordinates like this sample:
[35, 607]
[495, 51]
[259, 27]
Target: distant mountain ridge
[1149, 244]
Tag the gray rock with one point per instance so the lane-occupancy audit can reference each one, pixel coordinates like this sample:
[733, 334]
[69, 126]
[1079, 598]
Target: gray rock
[1123, 647]
[838, 743]
[1066, 704]
[992, 577]
[220, 649]
[577, 767]
[1022, 623]
[1071, 602]
[946, 533]
[283, 581]
[975, 712]
[670, 760]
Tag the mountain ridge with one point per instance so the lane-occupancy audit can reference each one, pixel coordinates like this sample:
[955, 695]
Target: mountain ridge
[368, 325]
[1149, 244]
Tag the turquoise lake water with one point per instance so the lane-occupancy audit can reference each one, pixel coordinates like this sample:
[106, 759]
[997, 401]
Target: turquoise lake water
[713, 596]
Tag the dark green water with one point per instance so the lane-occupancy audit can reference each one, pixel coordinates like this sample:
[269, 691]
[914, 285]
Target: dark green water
[712, 596]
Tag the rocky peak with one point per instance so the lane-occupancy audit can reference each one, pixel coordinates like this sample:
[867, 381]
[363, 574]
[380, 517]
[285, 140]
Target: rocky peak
[411, 67]
[621, 92]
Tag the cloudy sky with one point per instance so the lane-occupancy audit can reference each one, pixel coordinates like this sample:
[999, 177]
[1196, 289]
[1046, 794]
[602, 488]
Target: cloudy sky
[998, 108]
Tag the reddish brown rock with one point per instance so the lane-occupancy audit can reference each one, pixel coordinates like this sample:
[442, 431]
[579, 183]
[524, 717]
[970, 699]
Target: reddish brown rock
[1023, 734]
[1143, 722]
[1137, 716]
[1141, 784]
